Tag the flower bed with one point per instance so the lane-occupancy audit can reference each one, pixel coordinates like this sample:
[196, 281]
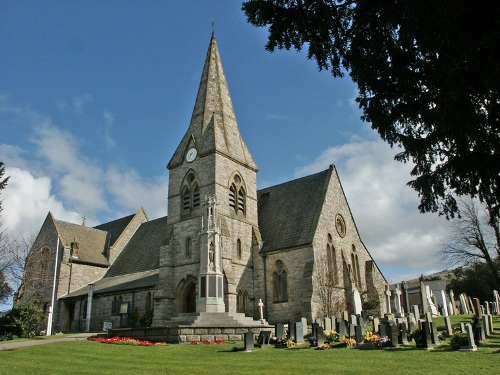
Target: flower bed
[209, 342]
[125, 341]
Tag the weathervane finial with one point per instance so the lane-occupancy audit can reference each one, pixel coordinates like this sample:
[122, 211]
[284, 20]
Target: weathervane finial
[213, 26]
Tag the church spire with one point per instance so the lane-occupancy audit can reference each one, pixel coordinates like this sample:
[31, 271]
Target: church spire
[213, 123]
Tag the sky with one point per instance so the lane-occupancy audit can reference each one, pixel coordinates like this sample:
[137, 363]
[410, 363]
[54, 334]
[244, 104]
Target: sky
[95, 96]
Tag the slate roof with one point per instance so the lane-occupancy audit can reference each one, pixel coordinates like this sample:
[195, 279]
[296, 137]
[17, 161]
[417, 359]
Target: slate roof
[142, 252]
[92, 242]
[116, 227]
[120, 283]
[289, 212]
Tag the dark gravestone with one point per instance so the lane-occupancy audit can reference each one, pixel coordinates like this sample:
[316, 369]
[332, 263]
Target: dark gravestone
[411, 326]
[382, 330]
[341, 328]
[264, 338]
[315, 327]
[361, 323]
[403, 336]
[351, 330]
[279, 330]
[320, 336]
[249, 341]
[364, 315]
[299, 333]
[358, 334]
[393, 334]
[449, 329]
[426, 332]
[291, 330]
[435, 334]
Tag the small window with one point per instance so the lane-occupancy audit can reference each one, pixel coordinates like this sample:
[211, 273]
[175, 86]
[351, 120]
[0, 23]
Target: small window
[238, 248]
[237, 195]
[188, 247]
[280, 283]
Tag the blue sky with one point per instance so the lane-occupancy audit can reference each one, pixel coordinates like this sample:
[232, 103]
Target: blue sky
[96, 95]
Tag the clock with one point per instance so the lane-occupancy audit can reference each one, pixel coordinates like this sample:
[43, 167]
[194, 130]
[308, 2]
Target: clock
[191, 155]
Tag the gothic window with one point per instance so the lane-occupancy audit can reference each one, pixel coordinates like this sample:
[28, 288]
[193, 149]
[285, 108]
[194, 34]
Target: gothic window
[114, 307]
[237, 195]
[355, 267]
[149, 302]
[280, 283]
[238, 248]
[190, 193]
[239, 303]
[332, 260]
[188, 247]
[44, 264]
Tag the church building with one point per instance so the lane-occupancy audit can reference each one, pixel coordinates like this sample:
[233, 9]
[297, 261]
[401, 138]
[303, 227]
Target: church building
[291, 250]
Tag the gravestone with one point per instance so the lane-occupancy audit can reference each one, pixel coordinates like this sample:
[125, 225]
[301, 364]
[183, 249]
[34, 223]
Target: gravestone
[416, 312]
[470, 304]
[334, 321]
[487, 308]
[404, 296]
[376, 322]
[327, 324]
[382, 330]
[450, 308]
[351, 330]
[353, 319]
[470, 337]
[315, 327]
[462, 328]
[423, 296]
[486, 326]
[345, 315]
[441, 299]
[318, 321]
[477, 307]
[320, 336]
[299, 333]
[357, 303]
[411, 326]
[264, 338]
[358, 334]
[403, 335]
[249, 345]
[304, 326]
[490, 319]
[361, 322]
[453, 303]
[447, 323]
[426, 331]
[393, 334]
[279, 330]
[434, 333]
[397, 301]
[341, 327]
[291, 330]
[387, 293]
[496, 298]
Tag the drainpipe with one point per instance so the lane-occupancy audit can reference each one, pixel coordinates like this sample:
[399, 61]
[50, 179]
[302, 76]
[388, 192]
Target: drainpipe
[265, 287]
[51, 307]
[89, 307]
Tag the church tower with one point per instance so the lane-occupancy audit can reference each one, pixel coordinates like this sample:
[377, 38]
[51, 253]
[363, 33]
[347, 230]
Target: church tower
[212, 166]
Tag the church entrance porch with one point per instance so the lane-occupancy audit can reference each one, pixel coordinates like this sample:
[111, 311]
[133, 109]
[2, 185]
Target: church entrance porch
[187, 296]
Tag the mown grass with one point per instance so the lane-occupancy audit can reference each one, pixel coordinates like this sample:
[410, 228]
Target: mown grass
[87, 357]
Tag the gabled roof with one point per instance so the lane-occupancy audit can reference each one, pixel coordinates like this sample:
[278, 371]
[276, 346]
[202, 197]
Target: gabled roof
[213, 126]
[289, 212]
[92, 242]
[142, 252]
[116, 227]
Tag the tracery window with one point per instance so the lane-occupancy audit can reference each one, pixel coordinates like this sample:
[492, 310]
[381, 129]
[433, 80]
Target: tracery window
[190, 193]
[280, 282]
[237, 195]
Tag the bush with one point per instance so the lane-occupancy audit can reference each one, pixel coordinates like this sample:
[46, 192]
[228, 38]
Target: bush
[23, 320]
[458, 339]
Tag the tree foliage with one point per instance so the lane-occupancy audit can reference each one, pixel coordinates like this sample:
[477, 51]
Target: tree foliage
[23, 320]
[428, 74]
[475, 281]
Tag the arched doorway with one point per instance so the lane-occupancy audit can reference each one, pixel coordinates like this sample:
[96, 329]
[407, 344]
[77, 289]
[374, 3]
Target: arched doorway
[187, 295]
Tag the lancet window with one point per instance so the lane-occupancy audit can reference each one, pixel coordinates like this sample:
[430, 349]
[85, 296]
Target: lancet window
[280, 282]
[190, 193]
[237, 195]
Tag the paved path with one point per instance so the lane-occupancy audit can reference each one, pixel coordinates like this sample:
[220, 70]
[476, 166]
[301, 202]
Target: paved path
[24, 344]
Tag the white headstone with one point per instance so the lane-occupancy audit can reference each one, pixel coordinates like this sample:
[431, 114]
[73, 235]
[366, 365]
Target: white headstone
[397, 300]
[261, 311]
[387, 299]
[441, 298]
[358, 306]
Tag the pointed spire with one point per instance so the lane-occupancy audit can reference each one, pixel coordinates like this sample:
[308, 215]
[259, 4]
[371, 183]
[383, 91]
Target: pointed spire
[213, 123]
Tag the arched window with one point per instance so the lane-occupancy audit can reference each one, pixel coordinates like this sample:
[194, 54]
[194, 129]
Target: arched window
[355, 267]
[190, 193]
[237, 195]
[44, 264]
[188, 247]
[238, 248]
[332, 260]
[239, 303]
[149, 302]
[114, 306]
[280, 283]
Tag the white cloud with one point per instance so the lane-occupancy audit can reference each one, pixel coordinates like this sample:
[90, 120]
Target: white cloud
[384, 208]
[109, 119]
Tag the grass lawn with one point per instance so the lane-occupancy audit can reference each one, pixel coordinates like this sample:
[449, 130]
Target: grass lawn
[87, 357]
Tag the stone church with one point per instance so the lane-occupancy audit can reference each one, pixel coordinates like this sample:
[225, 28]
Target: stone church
[223, 248]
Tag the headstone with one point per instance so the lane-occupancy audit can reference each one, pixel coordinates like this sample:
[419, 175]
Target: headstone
[279, 330]
[357, 303]
[453, 303]
[264, 338]
[472, 308]
[315, 327]
[423, 295]
[261, 305]
[304, 326]
[470, 337]
[477, 307]
[393, 334]
[327, 324]
[404, 296]
[358, 334]
[403, 335]
[320, 336]
[434, 333]
[431, 303]
[450, 308]
[382, 330]
[351, 330]
[462, 328]
[496, 298]
[416, 312]
[299, 333]
[291, 330]
[345, 315]
[486, 326]
[441, 299]
[364, 315]
[376, 322]
[447, 323]
[334, 321]
[353, 319]
[425, 326]
[487, 308]
[397, 301]
[361, 323]
[318, 321]
[387, 299]
[341, 327]
[249, 345]
[490, 319]
[479, 333]
[411, 326]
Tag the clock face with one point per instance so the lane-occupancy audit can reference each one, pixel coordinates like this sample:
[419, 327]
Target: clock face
[191, 155]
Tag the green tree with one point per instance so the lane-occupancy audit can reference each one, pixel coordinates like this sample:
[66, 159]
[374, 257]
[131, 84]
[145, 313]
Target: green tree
[23, 320]
[5, 289]
[428, 74]
[475, 281]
